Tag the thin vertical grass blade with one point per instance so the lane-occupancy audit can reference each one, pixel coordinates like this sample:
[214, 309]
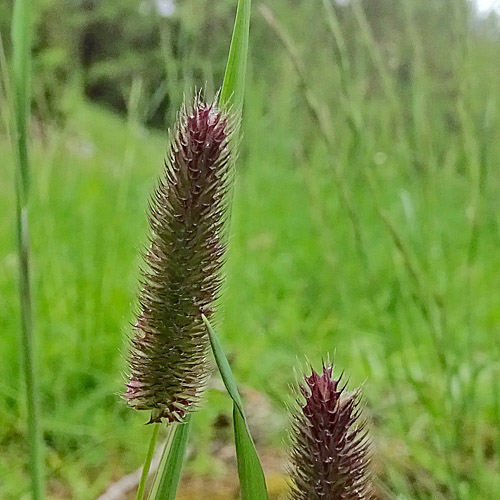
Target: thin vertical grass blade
[21, 85]
[223, 365]
[233, 87]
[169, 472]
[21, 73]
[252, 480]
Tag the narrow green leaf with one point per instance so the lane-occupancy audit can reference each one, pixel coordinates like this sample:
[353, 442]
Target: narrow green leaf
[223, 365]
[233, 87]
[169, 472]
[252, 480]
[21, 34]
[21, 76]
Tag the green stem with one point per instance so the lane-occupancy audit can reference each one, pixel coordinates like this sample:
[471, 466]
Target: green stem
[169, 471]
[147, 463]
[21, 44]
[35, 439]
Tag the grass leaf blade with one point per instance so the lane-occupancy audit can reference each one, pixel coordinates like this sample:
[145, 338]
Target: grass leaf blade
[223, 365]
[252, 480]
[21, 90]
[21, 73]
[233, 87]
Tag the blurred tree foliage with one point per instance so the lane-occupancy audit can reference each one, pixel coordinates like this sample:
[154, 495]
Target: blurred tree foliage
[108, 50]
[103, 47]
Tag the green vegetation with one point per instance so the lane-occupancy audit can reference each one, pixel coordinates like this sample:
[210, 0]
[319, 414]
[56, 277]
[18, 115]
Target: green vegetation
[21, 116]
[379, 245]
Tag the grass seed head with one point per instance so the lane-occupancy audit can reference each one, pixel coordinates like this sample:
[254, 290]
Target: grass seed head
[329, 455]
[182, 276]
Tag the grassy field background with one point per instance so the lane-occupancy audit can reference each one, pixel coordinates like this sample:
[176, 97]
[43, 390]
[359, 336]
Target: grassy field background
[379, 246]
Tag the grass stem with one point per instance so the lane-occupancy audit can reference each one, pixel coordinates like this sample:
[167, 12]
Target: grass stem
[21, 42]
[147, 463]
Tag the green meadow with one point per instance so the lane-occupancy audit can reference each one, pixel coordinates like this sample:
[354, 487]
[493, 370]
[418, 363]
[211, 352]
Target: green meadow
[365, 227]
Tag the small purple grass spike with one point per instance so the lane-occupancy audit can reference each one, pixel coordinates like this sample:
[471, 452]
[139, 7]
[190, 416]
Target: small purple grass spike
[329, 459]
[168, 357]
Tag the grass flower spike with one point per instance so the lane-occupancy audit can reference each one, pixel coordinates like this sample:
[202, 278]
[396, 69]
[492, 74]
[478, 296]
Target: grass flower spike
[182, 279]
[329, 456]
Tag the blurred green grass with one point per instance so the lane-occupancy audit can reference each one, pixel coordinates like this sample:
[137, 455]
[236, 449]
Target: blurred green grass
[417, 322]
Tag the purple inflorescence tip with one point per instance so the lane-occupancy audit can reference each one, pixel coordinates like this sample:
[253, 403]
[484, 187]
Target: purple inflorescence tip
[330, 451]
